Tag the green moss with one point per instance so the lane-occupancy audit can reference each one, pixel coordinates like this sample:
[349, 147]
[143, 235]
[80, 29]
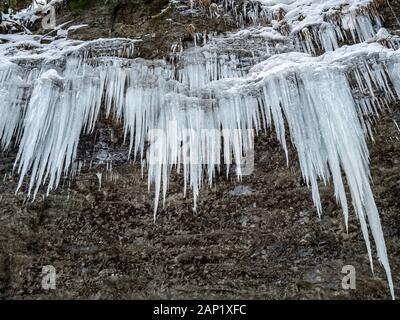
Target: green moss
[84, 4]
[6, 5]
[78, 4]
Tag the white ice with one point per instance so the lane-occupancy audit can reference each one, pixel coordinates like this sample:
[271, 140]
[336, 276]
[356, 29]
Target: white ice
[200, 114]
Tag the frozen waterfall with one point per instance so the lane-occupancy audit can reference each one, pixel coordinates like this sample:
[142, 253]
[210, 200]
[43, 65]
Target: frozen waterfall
[321, 78]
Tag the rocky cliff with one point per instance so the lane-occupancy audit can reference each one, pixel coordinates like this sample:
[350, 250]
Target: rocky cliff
[259, 237]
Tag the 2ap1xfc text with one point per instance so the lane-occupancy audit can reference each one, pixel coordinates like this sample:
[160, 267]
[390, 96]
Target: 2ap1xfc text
[206, 309]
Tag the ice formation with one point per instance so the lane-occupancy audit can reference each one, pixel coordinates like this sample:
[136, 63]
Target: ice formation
[286, 68]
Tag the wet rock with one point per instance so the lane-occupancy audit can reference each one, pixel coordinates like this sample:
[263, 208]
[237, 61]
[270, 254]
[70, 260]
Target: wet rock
[241, 191]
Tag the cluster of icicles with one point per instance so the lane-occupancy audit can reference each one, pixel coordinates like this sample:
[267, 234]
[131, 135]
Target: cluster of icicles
[350, 21]
[208, 107]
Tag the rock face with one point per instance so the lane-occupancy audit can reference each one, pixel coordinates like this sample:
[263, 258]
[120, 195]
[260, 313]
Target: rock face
[267, 244]
[22, 4]
[257, 238]
[158, 23]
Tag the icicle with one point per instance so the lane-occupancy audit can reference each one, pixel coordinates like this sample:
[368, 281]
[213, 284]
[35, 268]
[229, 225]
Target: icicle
[99, 178]
[56, 115]
[212, 99]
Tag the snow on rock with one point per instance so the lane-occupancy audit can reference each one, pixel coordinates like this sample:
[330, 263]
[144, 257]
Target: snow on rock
[315, 25]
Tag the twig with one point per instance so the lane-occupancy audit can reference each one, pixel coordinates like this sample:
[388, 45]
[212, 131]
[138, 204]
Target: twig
[21, 25]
